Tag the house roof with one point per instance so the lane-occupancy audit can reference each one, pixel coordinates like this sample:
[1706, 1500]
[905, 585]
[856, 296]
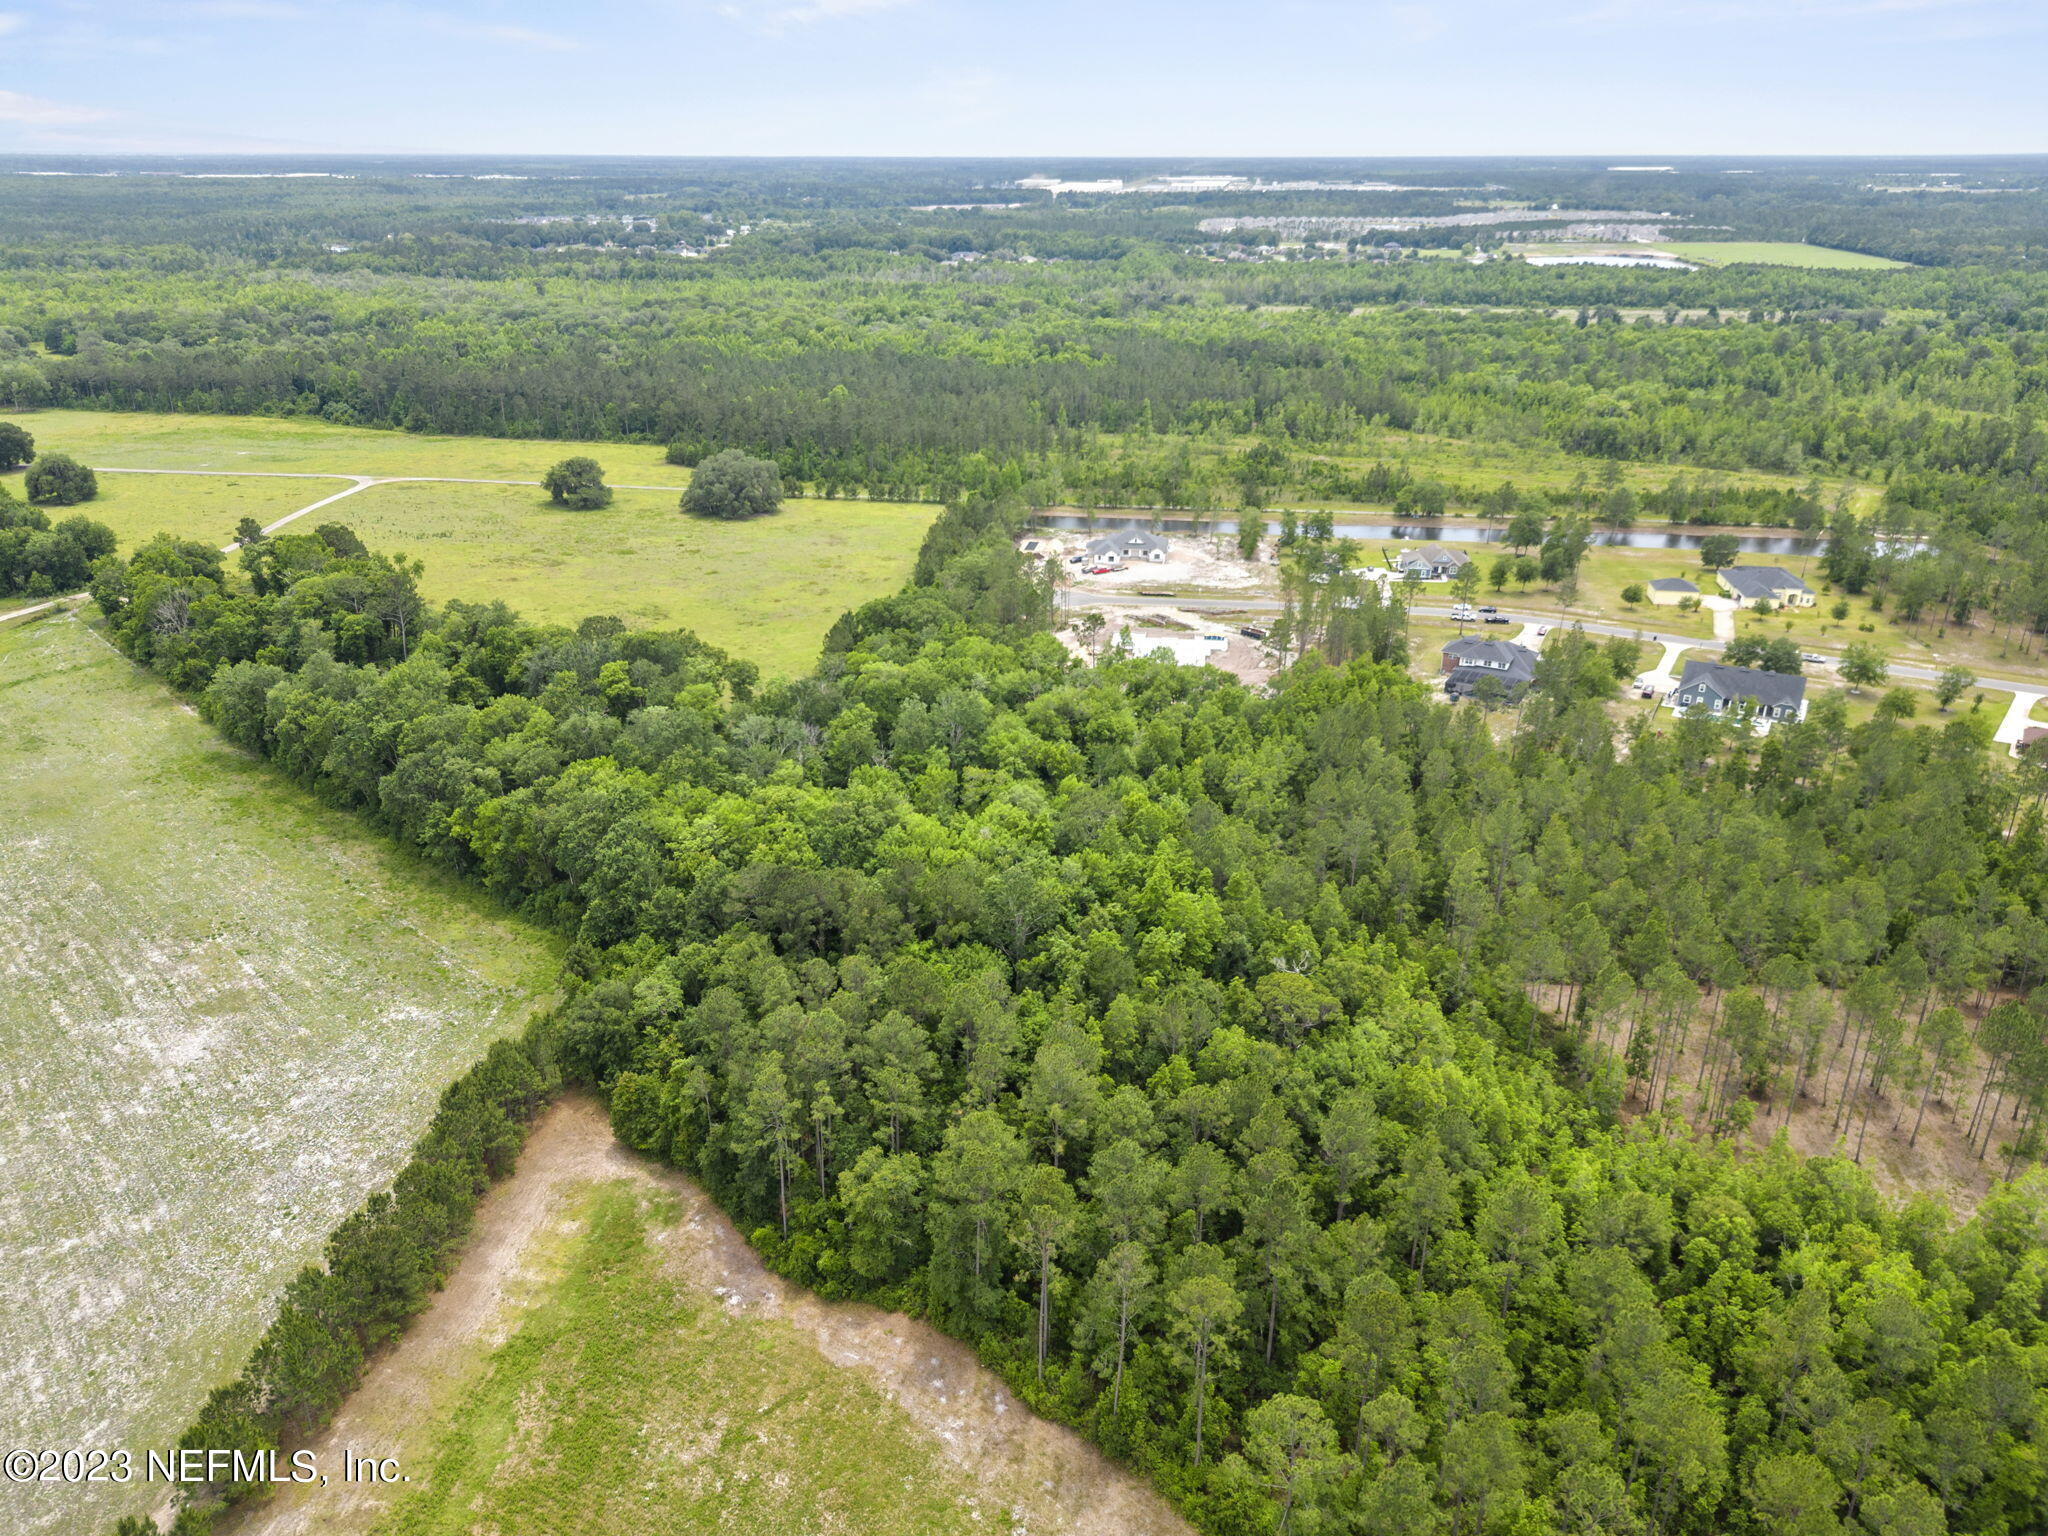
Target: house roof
[1478, 648]
[1761, 581]
[1130, 539]
[1672, 584]
[1433, 554]
[1773, 689]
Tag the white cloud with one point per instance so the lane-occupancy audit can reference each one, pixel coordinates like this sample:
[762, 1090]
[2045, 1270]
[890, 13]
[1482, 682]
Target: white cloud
[11, 21]
[2002, 13]
[240, 10]
[35, 111]
[775, 15]
[483, 31]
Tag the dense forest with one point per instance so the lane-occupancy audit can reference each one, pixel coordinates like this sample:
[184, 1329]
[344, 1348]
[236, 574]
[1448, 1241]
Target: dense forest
[876, 335]
[1173, 1043]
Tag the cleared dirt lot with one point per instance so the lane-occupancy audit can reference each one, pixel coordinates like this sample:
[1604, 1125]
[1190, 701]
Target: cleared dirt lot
[809, 1415]
[225, 1013]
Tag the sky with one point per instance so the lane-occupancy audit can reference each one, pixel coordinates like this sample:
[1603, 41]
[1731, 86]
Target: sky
[1206, 78]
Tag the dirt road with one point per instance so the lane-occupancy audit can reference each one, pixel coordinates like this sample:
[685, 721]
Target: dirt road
[1052, 1477]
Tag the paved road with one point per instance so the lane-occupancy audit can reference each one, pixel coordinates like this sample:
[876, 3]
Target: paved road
[1087, 599]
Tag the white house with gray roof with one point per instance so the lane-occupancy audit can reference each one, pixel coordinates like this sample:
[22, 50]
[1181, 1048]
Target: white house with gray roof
[1431, 562]
[1122, 548]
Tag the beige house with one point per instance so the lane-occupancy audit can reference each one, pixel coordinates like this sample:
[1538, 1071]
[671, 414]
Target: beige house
[1773, 584]
[1670, 591]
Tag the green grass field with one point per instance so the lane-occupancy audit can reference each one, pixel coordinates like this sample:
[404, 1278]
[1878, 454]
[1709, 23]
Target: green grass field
[630, 1400]
[1775, 253]
[137, 507]
[155, 440]
[766, 590]
[225, 1013]
[1481, 465]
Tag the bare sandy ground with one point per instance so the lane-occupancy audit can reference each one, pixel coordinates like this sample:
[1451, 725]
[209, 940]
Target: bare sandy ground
[1056, 1483]
[1941, 1163]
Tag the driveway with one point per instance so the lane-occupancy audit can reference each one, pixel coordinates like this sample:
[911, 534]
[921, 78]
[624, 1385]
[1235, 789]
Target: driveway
[1663, 677]
[2018, 716]
[1723, 610]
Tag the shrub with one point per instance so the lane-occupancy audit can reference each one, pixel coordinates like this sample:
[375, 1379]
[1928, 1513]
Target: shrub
[733, 485]
[60, 480]
[578, 483]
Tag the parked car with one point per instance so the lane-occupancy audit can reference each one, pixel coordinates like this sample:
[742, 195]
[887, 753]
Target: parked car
[1498, 618]
[1816, 657]
[1076, 559]
[1100, 570]
[1542, 630]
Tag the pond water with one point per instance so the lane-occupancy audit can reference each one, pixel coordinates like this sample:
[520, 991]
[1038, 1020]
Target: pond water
[1459, 533]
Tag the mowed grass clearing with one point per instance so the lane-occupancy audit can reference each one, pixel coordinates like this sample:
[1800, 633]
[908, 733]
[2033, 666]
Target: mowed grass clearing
[225, 1014]
[1776, 253]
[766, 589]
[162, 440]
[630, 1401]
[203, 507]
[609, 1354]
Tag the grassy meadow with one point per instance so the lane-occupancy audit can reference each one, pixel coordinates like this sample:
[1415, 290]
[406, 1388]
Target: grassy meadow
[302, 445]
[767, 590]
[225, 1014]
[629, 1399]
[1776, 253]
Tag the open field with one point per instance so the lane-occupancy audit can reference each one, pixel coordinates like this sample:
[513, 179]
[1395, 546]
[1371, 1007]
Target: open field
[1774, 253]
[766, 589]
[204, 507]
[609, 1355]
[225, 1012]
[294, 444]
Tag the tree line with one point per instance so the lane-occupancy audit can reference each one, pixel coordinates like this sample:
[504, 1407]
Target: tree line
[1175, 1044]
